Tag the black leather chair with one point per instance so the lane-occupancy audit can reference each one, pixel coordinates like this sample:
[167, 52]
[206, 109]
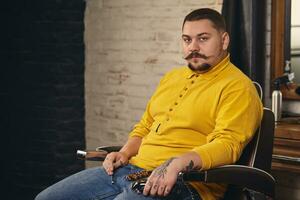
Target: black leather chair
[258, 89]
[249, 178]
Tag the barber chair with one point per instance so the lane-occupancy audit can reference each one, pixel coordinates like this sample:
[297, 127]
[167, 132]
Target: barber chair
[248, 179]
[258, 89]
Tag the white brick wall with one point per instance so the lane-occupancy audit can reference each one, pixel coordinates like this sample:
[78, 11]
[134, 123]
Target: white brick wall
[130, 44]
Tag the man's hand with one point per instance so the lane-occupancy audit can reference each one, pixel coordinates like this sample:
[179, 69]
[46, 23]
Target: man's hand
[117, 159]
[114, 160]
[163, 178]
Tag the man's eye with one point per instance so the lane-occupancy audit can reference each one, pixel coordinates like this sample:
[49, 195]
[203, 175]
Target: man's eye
[187, 40]
[203, 39]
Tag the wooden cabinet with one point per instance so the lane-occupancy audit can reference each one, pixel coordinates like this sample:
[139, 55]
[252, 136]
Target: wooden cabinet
[286, 151]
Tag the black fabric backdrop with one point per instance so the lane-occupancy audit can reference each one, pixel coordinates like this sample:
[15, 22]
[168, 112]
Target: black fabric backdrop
[246, 24]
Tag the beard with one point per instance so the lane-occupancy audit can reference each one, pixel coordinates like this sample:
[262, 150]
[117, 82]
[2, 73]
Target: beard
[199, 68]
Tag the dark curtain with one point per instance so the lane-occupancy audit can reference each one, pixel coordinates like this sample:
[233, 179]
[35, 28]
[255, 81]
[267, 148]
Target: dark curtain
[246, 25]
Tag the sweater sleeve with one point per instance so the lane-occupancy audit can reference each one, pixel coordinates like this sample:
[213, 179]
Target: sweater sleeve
[238, 116]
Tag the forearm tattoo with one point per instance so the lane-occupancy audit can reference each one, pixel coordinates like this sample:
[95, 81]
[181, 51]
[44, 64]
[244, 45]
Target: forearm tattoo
[162, 169]
[190, 166]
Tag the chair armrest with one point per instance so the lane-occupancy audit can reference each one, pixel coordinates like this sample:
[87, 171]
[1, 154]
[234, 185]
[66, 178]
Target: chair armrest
[109, 149]
[249, 177]
[91, 155]
[97, 155]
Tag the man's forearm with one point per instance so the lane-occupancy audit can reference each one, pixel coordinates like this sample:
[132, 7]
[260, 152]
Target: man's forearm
[189, 161]
[132, 146]
[163, 178]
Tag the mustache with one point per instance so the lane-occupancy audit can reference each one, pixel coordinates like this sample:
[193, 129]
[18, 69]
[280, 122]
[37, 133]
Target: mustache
[196, 54]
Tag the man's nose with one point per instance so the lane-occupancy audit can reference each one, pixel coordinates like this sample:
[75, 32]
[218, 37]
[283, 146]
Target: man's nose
[194, 46]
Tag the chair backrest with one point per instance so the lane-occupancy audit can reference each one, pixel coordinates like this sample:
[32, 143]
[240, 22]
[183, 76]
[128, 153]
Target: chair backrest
[258, 152]
[259, 89]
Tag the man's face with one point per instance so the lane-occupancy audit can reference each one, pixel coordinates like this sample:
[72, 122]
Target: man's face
[203, 45]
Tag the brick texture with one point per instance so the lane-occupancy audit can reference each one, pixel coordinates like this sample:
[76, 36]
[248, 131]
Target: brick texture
[130, 44]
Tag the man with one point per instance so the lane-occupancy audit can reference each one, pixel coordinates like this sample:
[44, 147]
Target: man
[200, 117]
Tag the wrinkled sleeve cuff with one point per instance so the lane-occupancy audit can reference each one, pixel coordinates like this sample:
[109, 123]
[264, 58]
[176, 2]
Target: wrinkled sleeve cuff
[205, 158]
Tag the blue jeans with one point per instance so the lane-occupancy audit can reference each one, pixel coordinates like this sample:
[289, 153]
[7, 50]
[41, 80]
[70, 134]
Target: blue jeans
[95, 184]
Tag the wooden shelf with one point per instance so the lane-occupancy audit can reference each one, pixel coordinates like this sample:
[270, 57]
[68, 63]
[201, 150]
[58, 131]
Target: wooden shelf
[287, 144]
[281, 166]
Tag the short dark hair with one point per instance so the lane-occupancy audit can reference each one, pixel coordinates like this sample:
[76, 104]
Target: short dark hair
[206, 13]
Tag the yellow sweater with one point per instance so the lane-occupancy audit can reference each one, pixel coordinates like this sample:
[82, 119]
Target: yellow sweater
[214, 114]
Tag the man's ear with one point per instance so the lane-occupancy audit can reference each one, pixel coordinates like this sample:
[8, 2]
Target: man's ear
[225, 41]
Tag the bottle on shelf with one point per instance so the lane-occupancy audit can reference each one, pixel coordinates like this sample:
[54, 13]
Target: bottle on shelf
[277, 100]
